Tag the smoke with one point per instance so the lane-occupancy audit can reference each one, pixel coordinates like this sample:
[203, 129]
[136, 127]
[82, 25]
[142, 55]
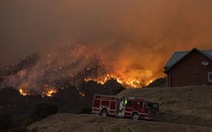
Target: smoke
[137, 37]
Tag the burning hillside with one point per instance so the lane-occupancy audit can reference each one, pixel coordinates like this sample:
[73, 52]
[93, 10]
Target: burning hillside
[70, 65]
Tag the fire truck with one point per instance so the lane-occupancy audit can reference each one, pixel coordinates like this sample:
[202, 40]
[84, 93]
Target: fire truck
[125, 107]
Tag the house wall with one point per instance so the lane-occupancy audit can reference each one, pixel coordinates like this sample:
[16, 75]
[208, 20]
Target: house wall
[190, 71]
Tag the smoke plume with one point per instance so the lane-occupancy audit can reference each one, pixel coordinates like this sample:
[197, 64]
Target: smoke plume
[137, 37]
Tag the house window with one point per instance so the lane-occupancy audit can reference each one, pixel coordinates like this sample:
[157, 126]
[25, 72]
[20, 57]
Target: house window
[209, 76]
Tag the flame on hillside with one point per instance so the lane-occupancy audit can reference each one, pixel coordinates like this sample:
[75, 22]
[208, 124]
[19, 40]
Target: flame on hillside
[129, 81]
[22, 92]
[47, 91]
[46, 72]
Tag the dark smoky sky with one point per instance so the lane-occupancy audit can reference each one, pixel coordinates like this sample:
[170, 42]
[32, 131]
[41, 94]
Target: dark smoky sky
[140, 33]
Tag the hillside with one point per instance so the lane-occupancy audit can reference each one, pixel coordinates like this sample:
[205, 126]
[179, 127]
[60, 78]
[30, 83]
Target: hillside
[181, 109]
[182, 105]
[21, 110]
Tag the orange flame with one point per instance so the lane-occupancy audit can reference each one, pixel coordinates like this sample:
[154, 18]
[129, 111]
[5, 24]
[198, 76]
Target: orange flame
[48, 91]
[128, 81]
[22, 92]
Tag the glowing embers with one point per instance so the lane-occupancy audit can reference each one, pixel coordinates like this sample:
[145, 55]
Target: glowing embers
[100, 80]
[82, 94]
[47, 91]
[129, 78]
[123, 80]
[22, 92]
[126, 83]
[133, 83]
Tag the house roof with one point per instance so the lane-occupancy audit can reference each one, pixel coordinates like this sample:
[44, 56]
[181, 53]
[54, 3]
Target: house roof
[177, 56]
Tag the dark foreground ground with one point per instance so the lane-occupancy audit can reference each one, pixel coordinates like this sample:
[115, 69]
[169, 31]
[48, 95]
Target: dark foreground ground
[95, 123]
[184, 109]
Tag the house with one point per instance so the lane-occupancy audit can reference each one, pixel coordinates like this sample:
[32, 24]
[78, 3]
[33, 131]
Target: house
[189, 68]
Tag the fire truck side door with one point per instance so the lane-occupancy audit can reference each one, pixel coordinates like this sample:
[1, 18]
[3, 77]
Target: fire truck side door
[142, 107]
[136, 105]
[128, 108]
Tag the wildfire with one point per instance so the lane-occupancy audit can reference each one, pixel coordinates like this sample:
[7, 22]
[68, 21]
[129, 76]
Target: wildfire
[100, 80]
[133, 83]
[69, 65]
[48, 91]
[22, 92]
[127, 82]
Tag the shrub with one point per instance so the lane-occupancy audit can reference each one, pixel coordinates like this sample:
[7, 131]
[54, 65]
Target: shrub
[118, 89]
[115, 129]
[100, 130]
[160, 82]
[130, 130]
[86, 110]
[6, 121]
[43, 110]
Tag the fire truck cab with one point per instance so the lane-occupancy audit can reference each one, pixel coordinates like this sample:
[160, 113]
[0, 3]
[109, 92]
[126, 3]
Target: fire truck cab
[125, 107]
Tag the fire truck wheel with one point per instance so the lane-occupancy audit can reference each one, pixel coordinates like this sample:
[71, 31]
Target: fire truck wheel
[135, 116]
[104, 113]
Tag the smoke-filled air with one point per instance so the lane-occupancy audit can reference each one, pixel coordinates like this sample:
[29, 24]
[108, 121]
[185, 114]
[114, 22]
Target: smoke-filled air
[128, 40]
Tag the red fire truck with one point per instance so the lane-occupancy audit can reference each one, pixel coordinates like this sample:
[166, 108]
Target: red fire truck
[125, 107]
